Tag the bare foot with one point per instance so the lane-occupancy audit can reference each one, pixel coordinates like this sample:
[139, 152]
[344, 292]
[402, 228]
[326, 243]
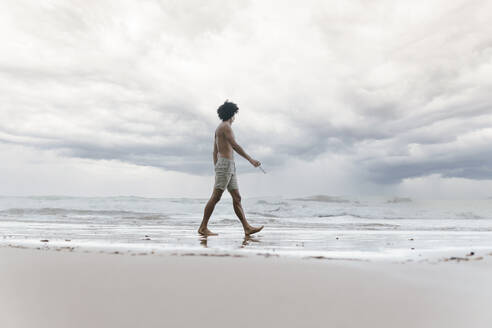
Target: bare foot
[206, 232]
[251, 230]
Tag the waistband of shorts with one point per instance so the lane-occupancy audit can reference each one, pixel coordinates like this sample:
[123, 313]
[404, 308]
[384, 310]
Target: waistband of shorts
[225, 158]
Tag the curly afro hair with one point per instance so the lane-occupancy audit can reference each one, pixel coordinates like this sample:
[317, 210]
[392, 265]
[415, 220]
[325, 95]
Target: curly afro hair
[227, 110]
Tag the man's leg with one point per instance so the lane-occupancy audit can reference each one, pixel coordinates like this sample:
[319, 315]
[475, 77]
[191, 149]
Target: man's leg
[209, 208]
[238, 208]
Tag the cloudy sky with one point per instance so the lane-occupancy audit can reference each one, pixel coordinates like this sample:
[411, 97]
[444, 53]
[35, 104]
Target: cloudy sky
[335, 97]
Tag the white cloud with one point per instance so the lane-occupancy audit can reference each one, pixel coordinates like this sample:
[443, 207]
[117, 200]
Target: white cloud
[388, 91]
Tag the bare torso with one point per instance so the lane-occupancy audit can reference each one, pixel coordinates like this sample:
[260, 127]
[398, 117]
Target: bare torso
[223, 145]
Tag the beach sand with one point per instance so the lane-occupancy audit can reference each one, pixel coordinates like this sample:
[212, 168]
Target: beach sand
[46, 288]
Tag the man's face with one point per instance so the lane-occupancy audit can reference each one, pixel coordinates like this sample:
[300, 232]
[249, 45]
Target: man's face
[233, 118]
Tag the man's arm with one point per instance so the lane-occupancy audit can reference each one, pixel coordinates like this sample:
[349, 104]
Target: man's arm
[230, 137]
[216, 150]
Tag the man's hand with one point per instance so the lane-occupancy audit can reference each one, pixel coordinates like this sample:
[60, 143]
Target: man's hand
[254, 162]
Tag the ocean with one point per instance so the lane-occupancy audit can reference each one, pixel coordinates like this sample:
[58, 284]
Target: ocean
[317, 226]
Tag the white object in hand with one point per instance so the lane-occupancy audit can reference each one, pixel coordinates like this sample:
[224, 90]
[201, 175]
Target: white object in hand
[262, 169]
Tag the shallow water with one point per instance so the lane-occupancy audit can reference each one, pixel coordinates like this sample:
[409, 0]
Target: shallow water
[332, 227]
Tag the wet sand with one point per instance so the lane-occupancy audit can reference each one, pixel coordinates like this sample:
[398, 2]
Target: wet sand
[46, 288]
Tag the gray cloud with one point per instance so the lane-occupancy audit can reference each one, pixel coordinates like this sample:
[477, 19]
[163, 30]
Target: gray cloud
[398, 95]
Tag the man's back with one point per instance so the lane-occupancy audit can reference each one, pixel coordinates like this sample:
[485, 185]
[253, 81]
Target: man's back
[223, 145]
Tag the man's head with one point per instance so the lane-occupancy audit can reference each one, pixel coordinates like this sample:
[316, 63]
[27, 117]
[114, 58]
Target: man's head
[227, 110]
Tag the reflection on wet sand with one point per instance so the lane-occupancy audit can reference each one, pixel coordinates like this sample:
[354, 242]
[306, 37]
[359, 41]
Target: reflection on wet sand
[249, 239]
[246, 241]
[203, 241]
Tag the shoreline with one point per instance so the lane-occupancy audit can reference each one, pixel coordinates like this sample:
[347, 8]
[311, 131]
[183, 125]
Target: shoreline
[458, 254]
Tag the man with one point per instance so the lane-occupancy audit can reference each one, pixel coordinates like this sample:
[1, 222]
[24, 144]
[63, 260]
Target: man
[225, 170]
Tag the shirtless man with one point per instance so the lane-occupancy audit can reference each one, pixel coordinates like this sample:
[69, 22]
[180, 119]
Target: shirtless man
[225, 170]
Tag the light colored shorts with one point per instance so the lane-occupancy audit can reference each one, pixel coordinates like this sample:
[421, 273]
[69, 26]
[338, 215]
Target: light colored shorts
[225, 174]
